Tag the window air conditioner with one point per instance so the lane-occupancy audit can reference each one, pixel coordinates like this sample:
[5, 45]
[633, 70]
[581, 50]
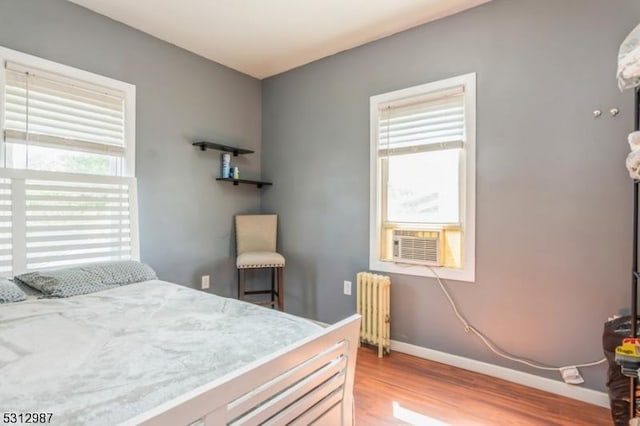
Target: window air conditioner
[420, 247]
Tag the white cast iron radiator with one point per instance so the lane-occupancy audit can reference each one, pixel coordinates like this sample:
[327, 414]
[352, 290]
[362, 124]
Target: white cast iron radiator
[373, 302]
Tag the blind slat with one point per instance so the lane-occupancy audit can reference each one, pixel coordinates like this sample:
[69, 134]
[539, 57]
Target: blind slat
[441, 146]
[69, 218]
[39, 260]
[82, 189]
[78, 237]
[78, 209]
[76, 199]
[31, 229]
[73, 247]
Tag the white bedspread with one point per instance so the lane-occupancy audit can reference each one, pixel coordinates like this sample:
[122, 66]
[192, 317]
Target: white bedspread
[102, 358]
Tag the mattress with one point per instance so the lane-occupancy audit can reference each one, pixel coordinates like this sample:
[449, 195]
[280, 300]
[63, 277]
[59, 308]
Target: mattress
[105, 357]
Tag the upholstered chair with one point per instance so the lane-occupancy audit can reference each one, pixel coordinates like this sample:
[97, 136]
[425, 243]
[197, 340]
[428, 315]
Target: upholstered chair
[256, 249]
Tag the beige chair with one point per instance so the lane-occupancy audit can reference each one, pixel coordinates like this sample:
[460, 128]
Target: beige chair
[256, 249]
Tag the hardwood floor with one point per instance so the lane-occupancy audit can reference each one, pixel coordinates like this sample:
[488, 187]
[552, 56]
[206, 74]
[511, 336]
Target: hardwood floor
[438, 394]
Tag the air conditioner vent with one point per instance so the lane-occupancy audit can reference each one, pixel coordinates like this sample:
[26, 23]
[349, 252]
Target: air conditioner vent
[417, 246]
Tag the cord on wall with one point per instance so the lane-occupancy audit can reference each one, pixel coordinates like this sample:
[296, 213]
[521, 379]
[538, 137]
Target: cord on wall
[568, 372]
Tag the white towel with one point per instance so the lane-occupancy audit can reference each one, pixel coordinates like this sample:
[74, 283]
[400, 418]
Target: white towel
[634, 141]
[633, 164]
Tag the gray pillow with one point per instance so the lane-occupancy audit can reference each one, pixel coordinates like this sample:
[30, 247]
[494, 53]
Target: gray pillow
[9, 292]
[86, 279]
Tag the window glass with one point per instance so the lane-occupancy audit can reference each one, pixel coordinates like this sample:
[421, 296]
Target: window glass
[424, 187]
[61, 160]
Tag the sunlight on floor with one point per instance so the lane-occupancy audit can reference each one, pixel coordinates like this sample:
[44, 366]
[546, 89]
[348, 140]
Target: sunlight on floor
[414, 418]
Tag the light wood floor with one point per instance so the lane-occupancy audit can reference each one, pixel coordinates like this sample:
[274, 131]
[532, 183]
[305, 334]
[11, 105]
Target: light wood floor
[438, 394]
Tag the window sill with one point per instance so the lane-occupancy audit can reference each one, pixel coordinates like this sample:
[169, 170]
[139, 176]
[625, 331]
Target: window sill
[467, 274]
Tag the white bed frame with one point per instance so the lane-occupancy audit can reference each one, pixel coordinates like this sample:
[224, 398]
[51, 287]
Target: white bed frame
[310, 382]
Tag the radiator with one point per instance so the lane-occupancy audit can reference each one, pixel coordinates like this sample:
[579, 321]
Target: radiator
[373, 302]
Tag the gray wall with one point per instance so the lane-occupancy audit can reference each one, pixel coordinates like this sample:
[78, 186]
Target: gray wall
[185, 215]
[553, 199]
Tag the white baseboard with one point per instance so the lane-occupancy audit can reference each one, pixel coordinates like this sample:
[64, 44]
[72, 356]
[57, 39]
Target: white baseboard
[553, 386]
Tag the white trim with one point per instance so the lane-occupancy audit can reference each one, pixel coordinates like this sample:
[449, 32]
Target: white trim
[468, 204]
[110, 84]
[527, 379]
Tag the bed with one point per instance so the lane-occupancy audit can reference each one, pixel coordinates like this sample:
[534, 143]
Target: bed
[148, 352]
[161, 354]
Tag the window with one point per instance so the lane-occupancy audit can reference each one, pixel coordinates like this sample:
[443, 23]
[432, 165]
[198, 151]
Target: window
[423, 180]
[67, 156]
[57, 118]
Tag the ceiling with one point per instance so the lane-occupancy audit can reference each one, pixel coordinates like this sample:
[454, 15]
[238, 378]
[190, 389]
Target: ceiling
[266, 37]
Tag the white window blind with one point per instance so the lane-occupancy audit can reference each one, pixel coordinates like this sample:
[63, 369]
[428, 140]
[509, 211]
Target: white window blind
[422, 124]
[48, 110]
[76, 222]
[50, 219]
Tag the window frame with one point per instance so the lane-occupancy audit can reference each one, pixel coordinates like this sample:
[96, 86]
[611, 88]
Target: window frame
[468, 183]
[87, 77]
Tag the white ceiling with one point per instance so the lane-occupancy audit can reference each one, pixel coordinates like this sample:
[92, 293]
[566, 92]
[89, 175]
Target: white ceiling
[266, 37]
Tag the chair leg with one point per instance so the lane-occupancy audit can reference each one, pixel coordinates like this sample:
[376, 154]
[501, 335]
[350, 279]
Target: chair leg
[240, 284]
[273, 284]
[281, 289]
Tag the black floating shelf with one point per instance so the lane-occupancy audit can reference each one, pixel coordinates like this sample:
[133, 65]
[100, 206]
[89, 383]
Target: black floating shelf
[219, 147]
[257, 183]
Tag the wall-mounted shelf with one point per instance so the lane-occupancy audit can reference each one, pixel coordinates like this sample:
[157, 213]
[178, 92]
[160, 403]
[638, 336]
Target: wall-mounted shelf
[203, 145]
[257, 183]
[219, 147]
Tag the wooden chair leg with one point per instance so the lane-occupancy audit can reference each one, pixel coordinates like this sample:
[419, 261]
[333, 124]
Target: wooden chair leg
[273, 284]
[240, 284]
[281, 289]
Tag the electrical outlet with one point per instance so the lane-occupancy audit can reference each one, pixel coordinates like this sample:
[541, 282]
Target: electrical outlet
[205, 282]
[347, 288]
